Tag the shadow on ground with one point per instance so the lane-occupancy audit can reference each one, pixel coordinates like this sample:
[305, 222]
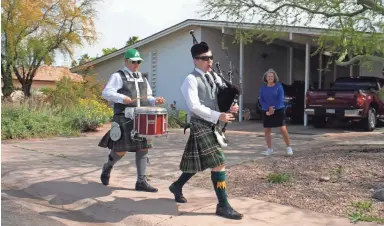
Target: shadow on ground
[114, 210]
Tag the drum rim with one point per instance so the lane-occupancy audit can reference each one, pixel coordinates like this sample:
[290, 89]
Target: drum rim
[143, 110]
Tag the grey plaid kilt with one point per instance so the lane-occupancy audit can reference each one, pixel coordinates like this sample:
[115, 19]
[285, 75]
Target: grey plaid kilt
[202, 150]
[125, 143]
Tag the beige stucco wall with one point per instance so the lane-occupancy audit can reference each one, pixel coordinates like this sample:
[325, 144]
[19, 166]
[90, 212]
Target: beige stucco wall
[37, 85]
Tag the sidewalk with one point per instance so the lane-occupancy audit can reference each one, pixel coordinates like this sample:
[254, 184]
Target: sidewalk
[69, 191]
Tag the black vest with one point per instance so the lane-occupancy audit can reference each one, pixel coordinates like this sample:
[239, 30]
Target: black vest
[129, 89]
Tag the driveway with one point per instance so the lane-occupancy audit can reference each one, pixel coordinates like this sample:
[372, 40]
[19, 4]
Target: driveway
[58, 180]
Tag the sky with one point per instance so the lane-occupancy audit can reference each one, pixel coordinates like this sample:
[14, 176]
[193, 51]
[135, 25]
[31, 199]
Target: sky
[119, 19]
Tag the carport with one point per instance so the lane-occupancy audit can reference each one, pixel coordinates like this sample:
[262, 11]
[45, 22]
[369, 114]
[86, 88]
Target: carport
[293, 39]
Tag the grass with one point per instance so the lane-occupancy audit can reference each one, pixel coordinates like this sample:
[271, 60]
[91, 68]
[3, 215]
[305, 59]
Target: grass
[361, 213]
[279, 178]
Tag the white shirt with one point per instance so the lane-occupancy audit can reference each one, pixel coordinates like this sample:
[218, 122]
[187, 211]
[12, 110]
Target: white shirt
[115, 83]
[190, 93]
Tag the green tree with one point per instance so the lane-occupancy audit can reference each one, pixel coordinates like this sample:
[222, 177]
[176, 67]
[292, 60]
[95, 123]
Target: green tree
[32, 31]
[84, 59]
[108, 50]
[356, 27]
[74, 63]
[132, 40]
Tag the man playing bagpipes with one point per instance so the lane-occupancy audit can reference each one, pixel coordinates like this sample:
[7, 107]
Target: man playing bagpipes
[203, 151]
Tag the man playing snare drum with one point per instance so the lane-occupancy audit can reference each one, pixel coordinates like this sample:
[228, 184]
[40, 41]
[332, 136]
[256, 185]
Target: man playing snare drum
[128, 88]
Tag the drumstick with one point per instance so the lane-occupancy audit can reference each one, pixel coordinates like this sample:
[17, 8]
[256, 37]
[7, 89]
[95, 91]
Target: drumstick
[143, 97]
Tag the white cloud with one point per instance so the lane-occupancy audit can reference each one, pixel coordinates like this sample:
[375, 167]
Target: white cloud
[120, 19]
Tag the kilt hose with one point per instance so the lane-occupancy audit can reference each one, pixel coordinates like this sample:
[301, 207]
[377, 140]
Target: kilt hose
[125, 143]
[202, 150]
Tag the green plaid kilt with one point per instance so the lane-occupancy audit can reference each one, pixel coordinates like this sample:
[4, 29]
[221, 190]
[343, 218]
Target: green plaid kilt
[125, 143]
[202, 150]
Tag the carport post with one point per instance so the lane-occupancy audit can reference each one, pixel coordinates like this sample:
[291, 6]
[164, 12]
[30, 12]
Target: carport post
[320, 69]
[290, 60]
[307, 55]
[241, 65]
[334, 70]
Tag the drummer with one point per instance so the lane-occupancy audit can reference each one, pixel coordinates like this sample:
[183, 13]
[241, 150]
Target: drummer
[128, 88]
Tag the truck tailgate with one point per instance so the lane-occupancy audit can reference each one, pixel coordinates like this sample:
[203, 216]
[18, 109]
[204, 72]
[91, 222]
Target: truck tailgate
[332, 98]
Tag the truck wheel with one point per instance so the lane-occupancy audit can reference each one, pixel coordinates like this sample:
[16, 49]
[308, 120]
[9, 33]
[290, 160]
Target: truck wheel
[369, 123]
[319, 122]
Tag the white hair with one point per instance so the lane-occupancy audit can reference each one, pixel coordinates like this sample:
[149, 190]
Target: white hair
[276, 78]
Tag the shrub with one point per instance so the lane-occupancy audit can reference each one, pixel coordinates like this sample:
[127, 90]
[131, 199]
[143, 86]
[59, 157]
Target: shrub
[67, 93]
[22, 121]
[88, 115]
[68, 109]
[176, 118]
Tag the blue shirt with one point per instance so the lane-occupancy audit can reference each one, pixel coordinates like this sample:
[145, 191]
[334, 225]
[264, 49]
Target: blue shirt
[272, 96]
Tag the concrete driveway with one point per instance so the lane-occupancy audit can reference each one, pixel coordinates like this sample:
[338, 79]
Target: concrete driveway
[58, 179]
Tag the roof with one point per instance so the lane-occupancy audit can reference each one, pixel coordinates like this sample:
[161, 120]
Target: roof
[52, 73]
[202, 23]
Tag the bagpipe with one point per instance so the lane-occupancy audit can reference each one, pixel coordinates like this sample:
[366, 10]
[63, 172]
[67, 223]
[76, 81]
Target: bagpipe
[227, 95]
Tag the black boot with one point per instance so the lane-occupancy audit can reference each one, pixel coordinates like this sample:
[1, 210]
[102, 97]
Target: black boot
[144, 186]
[177, 193]
[105, 174]
[228, 212]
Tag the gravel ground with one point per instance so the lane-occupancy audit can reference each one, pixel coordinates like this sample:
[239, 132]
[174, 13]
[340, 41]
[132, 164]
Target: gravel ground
[325, 180]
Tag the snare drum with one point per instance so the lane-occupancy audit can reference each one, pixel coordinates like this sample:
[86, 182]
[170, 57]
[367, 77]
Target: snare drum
[150, 121]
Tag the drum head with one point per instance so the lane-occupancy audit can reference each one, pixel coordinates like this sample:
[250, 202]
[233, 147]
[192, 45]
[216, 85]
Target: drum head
[150, 110]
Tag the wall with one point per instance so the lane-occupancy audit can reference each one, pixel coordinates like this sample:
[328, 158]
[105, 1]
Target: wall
[105, 68]
[36, 85]
[172, 64]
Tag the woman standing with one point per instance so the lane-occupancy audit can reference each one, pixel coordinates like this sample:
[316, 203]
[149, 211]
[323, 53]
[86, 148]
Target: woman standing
[272, 103]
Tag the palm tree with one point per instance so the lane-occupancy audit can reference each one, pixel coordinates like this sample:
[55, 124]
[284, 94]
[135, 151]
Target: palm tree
[132, 40]
[84, 59]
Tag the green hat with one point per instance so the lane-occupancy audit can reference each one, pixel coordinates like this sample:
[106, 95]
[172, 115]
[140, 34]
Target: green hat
[132, 54]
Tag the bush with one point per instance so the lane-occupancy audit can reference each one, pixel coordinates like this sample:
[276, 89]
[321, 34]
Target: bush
[176, 118]
[68, 109]
[21, 121]
[68, 93]
[88, 115]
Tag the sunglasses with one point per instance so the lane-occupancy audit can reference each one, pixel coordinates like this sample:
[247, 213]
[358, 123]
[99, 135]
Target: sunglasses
[135, 62]
[204, 58]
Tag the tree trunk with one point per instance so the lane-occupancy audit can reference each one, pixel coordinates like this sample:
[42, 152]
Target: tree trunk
[8, 85]
[26, 86]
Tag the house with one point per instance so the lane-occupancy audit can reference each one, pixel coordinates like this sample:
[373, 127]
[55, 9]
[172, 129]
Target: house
[47, 77]
[167, 59]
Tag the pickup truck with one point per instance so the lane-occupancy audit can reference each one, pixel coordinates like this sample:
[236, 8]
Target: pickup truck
[352, 99]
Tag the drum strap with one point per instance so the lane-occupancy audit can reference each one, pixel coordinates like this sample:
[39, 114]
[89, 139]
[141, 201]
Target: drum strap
[137, 93]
